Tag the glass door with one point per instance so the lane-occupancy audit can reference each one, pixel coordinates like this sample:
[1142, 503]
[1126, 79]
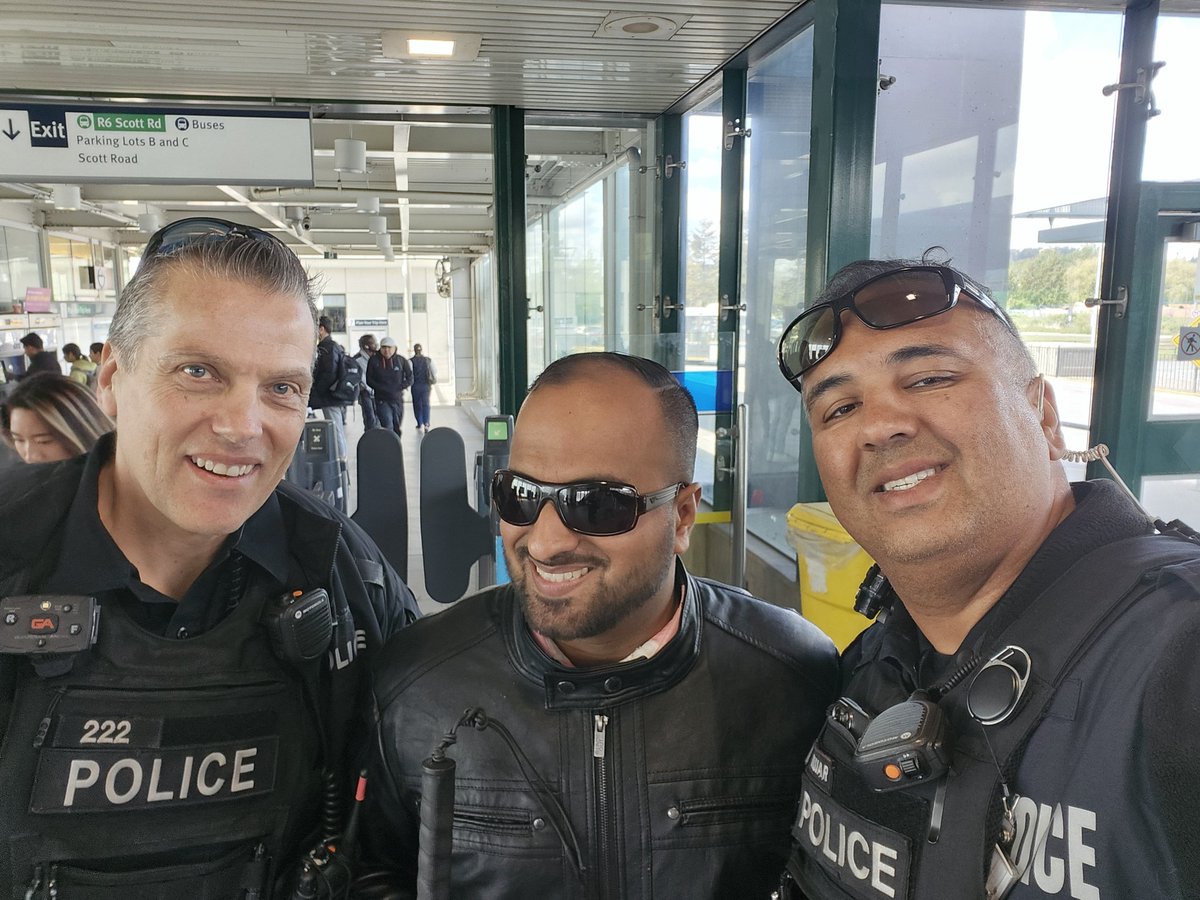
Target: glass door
[1152, 427]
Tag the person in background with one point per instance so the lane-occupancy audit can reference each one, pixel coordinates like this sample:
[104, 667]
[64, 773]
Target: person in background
[424, 375]
[48, 417]
[389, 374]
[95, 350]
[668, 714]
[367, 347]
[1021, 720]
[37, 357]
[210, 735]
[83, 369]
[325, 373]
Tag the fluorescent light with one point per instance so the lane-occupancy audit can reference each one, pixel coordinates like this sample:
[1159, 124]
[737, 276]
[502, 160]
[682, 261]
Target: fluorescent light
[427, 47]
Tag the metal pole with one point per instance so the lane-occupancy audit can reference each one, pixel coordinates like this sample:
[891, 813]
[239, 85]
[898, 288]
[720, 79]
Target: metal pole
[737, 513]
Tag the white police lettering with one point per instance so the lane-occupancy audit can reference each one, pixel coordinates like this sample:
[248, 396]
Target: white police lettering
[122, 780]
[869, 861]
[1051, 850]
[818, 766]
[340, 657]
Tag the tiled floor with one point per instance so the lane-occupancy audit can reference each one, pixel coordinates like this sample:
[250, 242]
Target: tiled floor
[440, 417]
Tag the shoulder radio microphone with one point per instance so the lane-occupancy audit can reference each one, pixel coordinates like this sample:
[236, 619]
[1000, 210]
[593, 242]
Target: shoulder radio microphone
[299, 625]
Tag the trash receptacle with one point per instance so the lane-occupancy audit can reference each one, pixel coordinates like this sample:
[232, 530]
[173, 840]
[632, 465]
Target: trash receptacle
[831, 567]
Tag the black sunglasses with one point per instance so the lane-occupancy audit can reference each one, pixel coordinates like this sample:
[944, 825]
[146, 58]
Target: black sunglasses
[594, 508]
[895, 298]
[201, 229]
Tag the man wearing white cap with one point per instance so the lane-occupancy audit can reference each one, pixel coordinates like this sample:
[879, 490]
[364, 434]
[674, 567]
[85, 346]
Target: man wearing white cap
[388, 374]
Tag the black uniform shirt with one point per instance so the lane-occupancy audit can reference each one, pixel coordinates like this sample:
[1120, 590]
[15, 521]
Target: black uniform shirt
[91, 562]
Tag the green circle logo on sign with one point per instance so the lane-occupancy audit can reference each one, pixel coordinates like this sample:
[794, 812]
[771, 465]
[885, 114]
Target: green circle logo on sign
[84, 121]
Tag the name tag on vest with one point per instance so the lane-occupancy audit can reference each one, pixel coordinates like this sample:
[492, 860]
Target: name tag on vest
[110, 780]
[866, 859]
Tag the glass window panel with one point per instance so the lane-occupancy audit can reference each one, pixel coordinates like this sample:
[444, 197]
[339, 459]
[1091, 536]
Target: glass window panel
[419, 302]
[975, 154]
[1171, 137]
[535, 286]
[395, 303]
[775, 225]
[1172, 497]
[1177, 365]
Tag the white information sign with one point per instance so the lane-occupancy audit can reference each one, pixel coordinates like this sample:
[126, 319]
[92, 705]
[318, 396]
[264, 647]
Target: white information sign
[176, 145]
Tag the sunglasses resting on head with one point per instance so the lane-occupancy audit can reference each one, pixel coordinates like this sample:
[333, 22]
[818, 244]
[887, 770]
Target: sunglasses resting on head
[594, 508]
[889, 300]
[199, 229]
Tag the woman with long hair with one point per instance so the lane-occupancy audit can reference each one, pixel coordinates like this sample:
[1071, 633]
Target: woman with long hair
[50, 417]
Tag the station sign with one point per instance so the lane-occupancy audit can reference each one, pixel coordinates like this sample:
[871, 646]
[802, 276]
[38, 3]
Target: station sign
[370, 323]
[80, 144]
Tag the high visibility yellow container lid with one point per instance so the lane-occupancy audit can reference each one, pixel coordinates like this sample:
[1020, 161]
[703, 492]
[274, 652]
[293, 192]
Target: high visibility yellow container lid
[830, 566]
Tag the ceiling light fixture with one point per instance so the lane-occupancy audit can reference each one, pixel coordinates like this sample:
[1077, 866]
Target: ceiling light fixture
[640, 25]
[67, 196]
[350, 155]
[150, 221]
[367, 204]
[377, 225]
[431, 45]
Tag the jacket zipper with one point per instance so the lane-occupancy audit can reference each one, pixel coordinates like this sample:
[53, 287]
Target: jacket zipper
[599, 741]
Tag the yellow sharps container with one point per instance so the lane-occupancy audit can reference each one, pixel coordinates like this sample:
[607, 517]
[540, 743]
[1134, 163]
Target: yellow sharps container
[831, 567]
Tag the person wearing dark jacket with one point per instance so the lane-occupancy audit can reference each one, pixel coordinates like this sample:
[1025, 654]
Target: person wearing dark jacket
[388, 375]
[424, 377]
[631, 730]
[37, 358]
[189, 717]
[1020, 721]
[325, 375]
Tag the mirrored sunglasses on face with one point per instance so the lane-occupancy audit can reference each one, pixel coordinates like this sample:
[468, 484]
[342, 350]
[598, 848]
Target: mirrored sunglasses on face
[199, 229]
[594, 508]
[890, 300]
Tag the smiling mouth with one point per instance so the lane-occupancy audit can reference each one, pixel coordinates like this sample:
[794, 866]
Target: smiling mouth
[561, 577]
[217, 468]
[908, 482]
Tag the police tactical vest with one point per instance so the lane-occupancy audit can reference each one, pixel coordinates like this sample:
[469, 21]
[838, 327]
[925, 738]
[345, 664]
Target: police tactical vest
[158, 767]
[935, 840]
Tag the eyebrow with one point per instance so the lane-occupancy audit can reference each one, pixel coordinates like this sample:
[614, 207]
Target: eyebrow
[170, 360]
[895, 358]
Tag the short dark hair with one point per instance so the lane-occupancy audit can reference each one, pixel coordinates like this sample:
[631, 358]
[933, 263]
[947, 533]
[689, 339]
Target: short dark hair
[97, 347]
[73, 350]
[34, 340]
[324, 322]
[678, 407]
[364, 340]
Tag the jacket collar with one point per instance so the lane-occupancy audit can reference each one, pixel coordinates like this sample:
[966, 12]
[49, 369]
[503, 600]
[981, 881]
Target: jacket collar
[604, 686]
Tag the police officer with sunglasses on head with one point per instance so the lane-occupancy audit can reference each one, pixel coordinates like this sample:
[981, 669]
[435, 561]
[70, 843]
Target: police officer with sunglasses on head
[1020, 721]
[184, 638]
[658, 721]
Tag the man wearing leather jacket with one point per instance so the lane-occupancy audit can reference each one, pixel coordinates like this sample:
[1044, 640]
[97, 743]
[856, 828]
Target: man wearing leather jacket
[634, 731]
[1020, 720]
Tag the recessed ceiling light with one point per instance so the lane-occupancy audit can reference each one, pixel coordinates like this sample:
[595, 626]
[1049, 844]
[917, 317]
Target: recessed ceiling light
[430, 45]
[640, 25]
[425, 47]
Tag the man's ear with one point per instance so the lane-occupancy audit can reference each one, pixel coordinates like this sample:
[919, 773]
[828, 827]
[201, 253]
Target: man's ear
[107, 374]
[686, 506]
[1043, 399]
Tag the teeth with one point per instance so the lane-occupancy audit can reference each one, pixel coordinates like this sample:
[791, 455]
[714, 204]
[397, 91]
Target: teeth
[221, 469]
[559, 577]
[903, 484]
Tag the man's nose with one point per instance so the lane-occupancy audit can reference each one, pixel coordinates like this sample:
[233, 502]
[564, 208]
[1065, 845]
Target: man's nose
[238, 417]
[548, 536]
[884, 420]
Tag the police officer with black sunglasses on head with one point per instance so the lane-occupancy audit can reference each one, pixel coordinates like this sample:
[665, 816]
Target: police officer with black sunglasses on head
[185, 638]
[1020, 721]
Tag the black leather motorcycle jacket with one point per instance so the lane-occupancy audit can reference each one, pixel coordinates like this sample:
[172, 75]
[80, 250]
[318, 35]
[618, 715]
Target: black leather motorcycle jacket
[678, 774]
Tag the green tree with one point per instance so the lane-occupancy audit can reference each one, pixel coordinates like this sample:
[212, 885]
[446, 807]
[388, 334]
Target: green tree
[1054, 277]
[1179, 281]
[703, 260]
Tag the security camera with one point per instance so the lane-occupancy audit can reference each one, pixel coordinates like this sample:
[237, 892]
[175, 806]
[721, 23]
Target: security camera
[306, 223]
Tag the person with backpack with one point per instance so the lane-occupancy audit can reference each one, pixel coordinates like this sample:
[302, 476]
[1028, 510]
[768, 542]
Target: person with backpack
[388, 374]
[424, 377]
[366, 397]
[336, 381]
[83, 369]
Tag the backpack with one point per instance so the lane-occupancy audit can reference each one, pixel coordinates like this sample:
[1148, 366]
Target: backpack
[349, 379]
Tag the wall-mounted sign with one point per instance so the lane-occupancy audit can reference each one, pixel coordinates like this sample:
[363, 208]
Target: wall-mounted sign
[77, 143]
[370, 323]
[37, 299]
